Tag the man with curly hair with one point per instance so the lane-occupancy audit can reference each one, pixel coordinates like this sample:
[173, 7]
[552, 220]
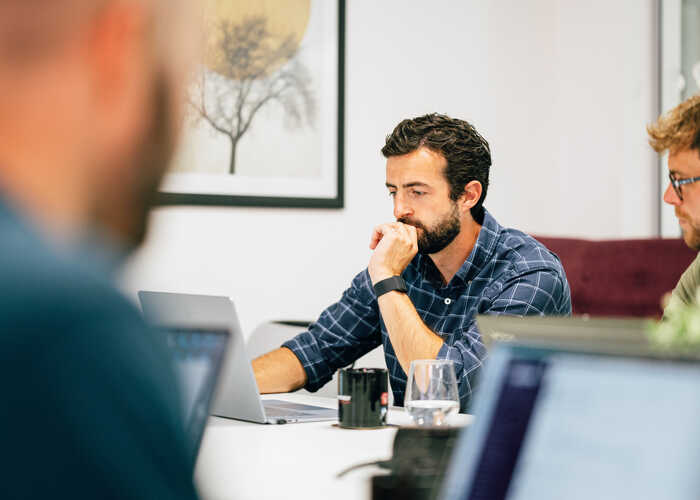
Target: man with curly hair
[678, 132]
[444, 260]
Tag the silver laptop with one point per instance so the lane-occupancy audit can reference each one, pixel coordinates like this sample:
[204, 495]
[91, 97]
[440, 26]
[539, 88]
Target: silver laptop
[237, 395]
[553, 423]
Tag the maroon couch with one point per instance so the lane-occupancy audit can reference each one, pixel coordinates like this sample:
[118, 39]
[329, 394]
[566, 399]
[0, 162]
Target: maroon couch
[620, 277]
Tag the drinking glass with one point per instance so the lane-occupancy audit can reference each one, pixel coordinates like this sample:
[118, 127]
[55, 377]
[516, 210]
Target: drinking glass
[431, 392]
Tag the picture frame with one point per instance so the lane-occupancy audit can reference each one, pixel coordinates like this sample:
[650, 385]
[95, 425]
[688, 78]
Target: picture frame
[269, 164]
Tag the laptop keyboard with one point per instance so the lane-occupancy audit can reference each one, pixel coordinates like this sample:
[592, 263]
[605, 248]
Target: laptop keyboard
[275, 408]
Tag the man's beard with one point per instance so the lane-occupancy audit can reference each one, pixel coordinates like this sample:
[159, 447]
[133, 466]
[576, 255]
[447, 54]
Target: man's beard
[154, 157]
[443, 233]
[123, 210]
[691, 234]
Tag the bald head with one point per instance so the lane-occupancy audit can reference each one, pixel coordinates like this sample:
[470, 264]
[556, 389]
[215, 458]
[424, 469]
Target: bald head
[29, 28]
[33, 28]
[90, 98]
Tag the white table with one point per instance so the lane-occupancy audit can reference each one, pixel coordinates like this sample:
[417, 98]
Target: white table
[241, 460]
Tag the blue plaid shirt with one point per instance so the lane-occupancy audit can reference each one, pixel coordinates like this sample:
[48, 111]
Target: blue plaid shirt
[507, 272]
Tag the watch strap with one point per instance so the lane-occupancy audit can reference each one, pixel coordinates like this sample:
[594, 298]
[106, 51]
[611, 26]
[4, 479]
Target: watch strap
[390, 284]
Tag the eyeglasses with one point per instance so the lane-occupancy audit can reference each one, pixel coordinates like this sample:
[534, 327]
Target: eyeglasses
[677, 183]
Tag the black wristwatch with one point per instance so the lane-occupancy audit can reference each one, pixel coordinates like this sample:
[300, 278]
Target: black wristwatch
[390, 284]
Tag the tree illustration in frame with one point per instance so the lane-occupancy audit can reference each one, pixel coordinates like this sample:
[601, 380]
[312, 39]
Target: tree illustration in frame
[249, 68]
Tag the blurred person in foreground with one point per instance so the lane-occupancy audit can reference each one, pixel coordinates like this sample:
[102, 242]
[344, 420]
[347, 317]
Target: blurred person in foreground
[678, 132]
[89, 100]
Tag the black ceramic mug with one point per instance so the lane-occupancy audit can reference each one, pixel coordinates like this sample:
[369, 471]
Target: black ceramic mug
[362, 397]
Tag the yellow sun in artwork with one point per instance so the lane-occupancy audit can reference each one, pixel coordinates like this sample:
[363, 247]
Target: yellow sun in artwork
[249, 22]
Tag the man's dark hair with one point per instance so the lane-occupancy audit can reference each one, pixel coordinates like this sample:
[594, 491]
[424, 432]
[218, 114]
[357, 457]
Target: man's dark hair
[467, 153]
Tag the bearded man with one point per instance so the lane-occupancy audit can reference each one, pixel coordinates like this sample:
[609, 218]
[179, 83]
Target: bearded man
[678, 132]
[442, 262]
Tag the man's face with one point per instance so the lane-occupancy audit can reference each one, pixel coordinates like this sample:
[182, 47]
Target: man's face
[151, 159]
[421, 198]
[682, 165]
[126, 191]
[103, 100]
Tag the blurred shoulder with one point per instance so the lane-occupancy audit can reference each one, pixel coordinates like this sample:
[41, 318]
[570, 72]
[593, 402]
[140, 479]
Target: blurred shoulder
[42, 286]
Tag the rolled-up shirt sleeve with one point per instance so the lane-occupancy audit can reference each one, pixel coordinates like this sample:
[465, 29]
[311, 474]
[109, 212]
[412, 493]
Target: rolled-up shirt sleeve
[343, 332]
[540, 292]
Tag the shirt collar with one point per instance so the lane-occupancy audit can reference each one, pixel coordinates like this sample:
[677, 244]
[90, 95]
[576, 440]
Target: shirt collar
[93, 248]
[10, 217]
[483, 250]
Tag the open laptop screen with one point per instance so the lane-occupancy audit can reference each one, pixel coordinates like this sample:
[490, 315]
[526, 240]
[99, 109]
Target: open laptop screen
[197, 355]
[514, 408]
[577, 426]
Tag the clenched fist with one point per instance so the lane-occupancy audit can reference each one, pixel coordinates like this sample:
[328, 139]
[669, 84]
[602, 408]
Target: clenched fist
[394, 244]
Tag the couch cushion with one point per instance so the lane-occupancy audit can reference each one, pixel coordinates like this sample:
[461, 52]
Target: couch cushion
[620, 277]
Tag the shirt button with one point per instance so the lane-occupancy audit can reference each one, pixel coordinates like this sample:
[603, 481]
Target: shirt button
[448, 301]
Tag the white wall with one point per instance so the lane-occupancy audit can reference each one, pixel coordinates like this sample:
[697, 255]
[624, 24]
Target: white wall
[562, 90]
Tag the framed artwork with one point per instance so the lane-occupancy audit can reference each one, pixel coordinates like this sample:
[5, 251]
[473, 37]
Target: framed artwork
[264, 123]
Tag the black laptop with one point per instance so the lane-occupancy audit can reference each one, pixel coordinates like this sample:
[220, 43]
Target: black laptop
[553, 423]
[197, 355]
